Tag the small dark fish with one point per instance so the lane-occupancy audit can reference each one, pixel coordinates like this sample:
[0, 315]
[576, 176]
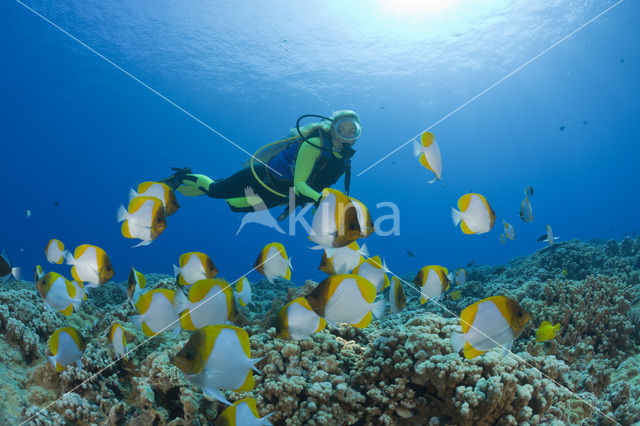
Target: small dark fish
[562, 128]
[542, 237]
[622, 60]
[382, 107]
[55, 203]
[410, 253]
[585, 122]
[470, 264]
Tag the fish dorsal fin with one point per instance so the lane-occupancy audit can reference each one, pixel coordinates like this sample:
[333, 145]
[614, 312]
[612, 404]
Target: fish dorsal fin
[470, 351]
[426, 139]
[463, 202]
[367, 289]
[467, 316]
[504, 304]
[545, 324]
[249, 383]
[354, 246]
[556, 327]
[137, 203]
[465, 228]
[365, 321]
[200, 289]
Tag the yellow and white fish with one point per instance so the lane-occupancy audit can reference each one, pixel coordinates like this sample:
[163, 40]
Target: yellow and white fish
[546, 331]
[475, 214]
[91, 265]
[508, 230]
[61, 294]
[339, 220]
[342, 260]
[242, 293]
[55, 251]
[428, 154]
[273, 262]
[144, 219]
[432, 280]
[218, 357]
[135, 286]
[297, 320]
[210, 302]
[243, 413]
[526, 213]
[160, 191]
[194, 266]
[346, 298]
[374, 270]
[397, 298]
[157, 313]
[118, 341]
[461, 276]
[489, 323]
[66, 345]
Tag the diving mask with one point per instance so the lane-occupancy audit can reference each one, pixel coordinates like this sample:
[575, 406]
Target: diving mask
[347, 129]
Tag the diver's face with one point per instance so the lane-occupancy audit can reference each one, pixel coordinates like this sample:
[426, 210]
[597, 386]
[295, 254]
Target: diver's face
[347, 129]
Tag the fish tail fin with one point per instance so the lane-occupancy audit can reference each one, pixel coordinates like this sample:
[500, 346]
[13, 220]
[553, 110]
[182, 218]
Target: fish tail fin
[52, 359]
[63, 255]
[136, 320]
[556, 327]
[122, 213]
[69, 259]
[290, 265]
[180, 302]
[15, 272]
[364, 250]
[378, 308]
[176, 271]
[417, 148]
[456, 216]
[457, 341]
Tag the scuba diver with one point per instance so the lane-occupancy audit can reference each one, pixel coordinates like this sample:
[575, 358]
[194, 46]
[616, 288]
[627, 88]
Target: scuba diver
[314, 157]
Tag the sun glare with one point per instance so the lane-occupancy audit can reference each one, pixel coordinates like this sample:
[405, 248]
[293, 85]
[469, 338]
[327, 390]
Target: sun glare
[417, 8]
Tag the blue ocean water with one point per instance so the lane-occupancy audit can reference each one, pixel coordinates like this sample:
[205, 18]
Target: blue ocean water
[77, 132]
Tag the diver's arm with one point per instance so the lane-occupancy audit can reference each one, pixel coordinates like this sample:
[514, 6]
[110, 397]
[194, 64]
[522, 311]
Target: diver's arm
[306, 159]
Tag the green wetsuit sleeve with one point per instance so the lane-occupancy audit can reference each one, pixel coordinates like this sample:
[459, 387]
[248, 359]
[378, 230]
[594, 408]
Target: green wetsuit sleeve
[306, 159]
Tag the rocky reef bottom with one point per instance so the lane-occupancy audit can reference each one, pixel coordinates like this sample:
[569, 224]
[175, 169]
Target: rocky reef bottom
[400, 370]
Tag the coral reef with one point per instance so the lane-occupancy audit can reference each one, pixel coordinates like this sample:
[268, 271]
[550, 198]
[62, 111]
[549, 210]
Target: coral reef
[400, 370]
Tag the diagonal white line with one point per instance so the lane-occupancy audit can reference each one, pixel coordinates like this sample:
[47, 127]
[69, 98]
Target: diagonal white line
[148, 87]
[492, 86]
[411, 286]
[145, 341]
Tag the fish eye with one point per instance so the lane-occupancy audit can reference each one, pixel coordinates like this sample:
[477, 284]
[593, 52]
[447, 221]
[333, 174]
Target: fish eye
[353, 226]
[519, 314]
[188, 355]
